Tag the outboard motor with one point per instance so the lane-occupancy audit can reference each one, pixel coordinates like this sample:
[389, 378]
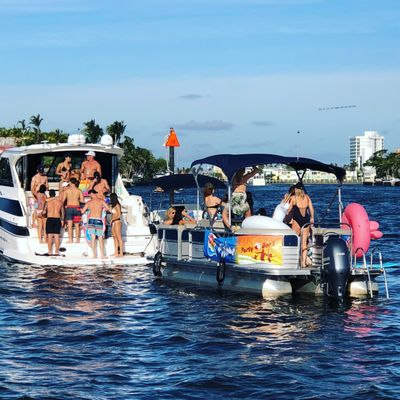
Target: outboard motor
[335, 269]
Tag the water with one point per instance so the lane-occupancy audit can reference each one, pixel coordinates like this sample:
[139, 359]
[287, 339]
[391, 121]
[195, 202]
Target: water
[117, 333]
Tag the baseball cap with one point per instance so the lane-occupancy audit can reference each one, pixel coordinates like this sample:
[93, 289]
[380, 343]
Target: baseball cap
[65, 184]
[40, 168]
[90, 153]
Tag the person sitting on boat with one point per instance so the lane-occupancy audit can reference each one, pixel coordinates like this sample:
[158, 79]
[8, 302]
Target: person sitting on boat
[175, 218]
[73, 198]
[302, 218]
[54, 209]
[239, 203]
[100, 185]
[95, 225]
[116, 225]
[40, 215]
[63, 170]
[90, 166]
[211, 203]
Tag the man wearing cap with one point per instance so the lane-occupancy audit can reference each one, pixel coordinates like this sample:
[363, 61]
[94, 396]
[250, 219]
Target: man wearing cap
[100, 185]
[90, 166]
[55, 217]
[39, 179]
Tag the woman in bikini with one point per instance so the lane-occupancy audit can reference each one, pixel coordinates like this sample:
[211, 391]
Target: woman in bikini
[302, 218]
[63, 170]
[116, 225]
[40, 215]
[211, 202]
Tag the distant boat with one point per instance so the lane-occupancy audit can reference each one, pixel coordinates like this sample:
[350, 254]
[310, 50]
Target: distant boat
[258, 180]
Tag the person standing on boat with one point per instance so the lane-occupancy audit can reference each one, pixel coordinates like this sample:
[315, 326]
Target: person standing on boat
[73, 198]
[239, 204]
[55, 217]
[211, 202]
[39, 179]
[116, 225]
[90, 166]
[100, 185]
[63, 170]
[95, 226]
[302, 218]
[40, 214]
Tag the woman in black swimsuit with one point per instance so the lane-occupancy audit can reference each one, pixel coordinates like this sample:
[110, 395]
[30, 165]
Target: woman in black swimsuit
[211, 202]
[302, 218]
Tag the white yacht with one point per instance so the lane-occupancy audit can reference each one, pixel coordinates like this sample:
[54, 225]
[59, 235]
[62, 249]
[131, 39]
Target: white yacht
[19, 239]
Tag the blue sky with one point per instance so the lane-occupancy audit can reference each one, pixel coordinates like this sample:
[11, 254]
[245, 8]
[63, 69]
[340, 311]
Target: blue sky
[229, 75]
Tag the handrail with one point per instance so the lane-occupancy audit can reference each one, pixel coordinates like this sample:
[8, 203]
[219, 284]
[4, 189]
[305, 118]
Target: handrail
[365, 266]
[377, 249]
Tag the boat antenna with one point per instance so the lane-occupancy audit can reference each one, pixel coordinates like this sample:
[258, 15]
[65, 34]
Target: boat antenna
[298, 145]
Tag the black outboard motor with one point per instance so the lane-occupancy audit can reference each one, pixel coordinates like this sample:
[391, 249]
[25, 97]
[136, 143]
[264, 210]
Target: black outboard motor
[335, 270]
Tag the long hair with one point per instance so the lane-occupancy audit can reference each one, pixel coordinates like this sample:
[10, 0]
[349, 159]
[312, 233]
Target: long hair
[114, 200]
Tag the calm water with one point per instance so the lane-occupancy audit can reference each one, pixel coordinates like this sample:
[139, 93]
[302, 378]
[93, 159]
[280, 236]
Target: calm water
[116, 333]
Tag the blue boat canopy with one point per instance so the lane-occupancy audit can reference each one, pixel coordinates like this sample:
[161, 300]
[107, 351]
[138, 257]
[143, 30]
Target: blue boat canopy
[184, 181]
[231, 163]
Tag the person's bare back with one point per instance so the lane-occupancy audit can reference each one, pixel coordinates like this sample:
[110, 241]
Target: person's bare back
[73, 196]
[95, 207]
[54, 207]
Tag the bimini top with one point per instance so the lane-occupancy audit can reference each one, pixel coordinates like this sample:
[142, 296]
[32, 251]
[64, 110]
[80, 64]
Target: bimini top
[231, 163]
[184, 181]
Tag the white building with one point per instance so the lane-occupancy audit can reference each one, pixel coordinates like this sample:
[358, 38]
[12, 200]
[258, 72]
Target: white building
[363, 147]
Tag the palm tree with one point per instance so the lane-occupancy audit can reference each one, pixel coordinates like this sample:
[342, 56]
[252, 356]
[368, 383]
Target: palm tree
[92, 131]
[36, 121]
[116, 131]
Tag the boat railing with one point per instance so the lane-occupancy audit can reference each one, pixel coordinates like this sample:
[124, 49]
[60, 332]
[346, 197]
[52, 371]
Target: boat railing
[365, 267]
[376, 250]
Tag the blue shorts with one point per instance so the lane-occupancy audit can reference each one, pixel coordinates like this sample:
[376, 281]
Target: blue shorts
[95, 227]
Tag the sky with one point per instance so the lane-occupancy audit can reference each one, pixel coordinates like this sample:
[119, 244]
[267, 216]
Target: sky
[230, 76]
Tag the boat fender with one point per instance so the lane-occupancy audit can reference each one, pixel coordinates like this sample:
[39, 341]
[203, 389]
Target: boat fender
[157, 264]
[363, 229]
[221, 272]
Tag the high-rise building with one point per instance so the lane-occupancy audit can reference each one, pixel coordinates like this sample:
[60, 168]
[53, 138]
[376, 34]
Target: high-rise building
[363, 147]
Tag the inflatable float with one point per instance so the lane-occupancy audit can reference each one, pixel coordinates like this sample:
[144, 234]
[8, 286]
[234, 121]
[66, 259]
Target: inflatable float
[355, 216]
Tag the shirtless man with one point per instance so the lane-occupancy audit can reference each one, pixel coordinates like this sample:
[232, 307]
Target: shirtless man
[55, 217]
[90, 166]
[39, 179]
[73, 197]
[100, 185]
[95, 221]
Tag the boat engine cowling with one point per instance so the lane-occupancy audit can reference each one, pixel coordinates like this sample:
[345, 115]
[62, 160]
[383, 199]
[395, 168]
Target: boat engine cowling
[335, 271]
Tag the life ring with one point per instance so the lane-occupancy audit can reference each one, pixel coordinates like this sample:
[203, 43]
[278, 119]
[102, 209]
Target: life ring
[157, 264]
[221, 272]
[363, 229]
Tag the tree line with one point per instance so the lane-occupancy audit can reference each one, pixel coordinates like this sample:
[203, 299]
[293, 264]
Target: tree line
[137, 163]
[387, 165]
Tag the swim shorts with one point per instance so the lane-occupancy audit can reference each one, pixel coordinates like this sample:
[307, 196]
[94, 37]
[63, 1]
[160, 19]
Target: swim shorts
[95, 227]
[53, 226]
[73, 213]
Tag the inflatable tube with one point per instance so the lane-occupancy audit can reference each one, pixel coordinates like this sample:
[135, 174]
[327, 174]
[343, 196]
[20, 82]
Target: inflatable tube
[262, 222]
[363, 229]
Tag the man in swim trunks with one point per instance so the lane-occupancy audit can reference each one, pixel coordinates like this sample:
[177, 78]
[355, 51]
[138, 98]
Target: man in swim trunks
[95, 225]
[90, 166]
[55, 217]
[73, 198]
